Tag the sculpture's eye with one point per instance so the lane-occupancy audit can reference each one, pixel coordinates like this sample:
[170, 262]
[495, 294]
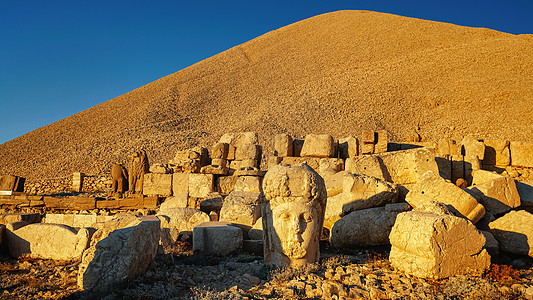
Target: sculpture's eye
[307, 217]
[284, 215]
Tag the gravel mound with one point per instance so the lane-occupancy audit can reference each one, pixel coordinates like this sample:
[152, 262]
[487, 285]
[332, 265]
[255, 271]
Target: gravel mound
[337, 73]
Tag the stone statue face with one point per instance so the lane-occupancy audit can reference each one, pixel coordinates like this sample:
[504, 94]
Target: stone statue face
[297, 227]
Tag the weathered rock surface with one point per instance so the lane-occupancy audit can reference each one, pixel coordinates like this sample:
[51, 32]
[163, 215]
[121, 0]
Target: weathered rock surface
[242, 208]
[498, 195]
[369, 165]
[437, 246]
[407, 166]
[51, 241]
[514, 232]
[357, 192]
[435, 208]
[367, 227]
[180, 200]
[432, 187]
[157, 184]
[522, 154]
[216, 239]
[200, 185]
[122, 255]
[248, 184]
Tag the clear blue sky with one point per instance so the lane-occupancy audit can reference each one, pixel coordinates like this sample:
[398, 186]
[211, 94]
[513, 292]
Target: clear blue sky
[58, 58]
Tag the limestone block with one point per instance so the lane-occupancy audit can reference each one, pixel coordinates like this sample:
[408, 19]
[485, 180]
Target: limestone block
[231, 152]
[190, 160]
[283, 145]
[458, 167]
[77, 181]
[248, 184]
[497, 195]
[180, 183]
[497, 153]
[247, 163]
[382, 141]
[471, 146]
[434, 207]
[437, 246]
[215, 170]
[256, 232]
[330, 166]
[239, 138]
[522, 154]
[157, 184]
[432, 187]
[234, 164]
[514, 232]
[367, 227]
[82, 220]
[369, 137]
[12, 183]
[482, 176]
[200, 185]
[216, 239]
[15, 217]
[175, 201]
[177, 220]
[226, 184]
[447, 146]
[407, 166]
[213, 202]
[369, 165]
[49, 241]
[297, 145]
[248, 151]
[348, 147]
[334, 183]
[358, 192]
[120, 256]
[525, 190]
[316, 145]
[220, 162]
[313, 162]
[367, 148]
[241, 207]
[471, 164]
[220, 151]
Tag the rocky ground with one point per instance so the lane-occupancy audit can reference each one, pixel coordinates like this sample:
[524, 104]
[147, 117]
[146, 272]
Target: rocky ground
[177, 274]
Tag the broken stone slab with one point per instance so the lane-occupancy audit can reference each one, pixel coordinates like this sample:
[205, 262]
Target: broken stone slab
[498, 195]
[313, 162]
[369, 165]
[435, 208]
[122, 255]
[160, 169]
[283, 145]
[367, 227]
[248, 151]
[214, 169]
[180, 200]
[248, 184]
[522, 154]
[525, 190]
[437, 246]
[327, 166]
[381, 142]
[217, 239]
[497, 153]
[348, 147]
[237, 139]
[75, 220]
[157, 184]
[220, 151]
[15, 217]
[200, 185]
[177, 220]
[407, 166]
[180, 183]
[432, 187]
[358, 192]
[447, 146]
[318, 145]
[241, 208]
[514, 232]
[48, 241]
[190, 160]
[226, 184]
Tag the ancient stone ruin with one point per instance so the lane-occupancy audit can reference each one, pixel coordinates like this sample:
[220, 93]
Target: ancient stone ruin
[445, 208]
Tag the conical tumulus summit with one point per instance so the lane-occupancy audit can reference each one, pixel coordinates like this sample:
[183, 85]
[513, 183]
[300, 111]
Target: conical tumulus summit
[338, 73]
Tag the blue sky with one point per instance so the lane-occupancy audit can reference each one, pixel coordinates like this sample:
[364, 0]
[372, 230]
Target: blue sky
[58, 58]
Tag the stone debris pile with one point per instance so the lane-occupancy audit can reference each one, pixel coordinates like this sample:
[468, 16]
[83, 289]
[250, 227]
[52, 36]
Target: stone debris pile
[446, 208]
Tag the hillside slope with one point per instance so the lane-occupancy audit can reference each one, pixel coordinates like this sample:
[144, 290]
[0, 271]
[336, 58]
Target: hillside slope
[337, 73]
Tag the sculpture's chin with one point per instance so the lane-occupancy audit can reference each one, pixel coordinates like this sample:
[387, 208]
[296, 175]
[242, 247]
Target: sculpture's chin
[294, 250]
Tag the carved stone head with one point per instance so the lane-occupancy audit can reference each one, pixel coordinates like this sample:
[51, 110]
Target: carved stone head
[293, 214]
